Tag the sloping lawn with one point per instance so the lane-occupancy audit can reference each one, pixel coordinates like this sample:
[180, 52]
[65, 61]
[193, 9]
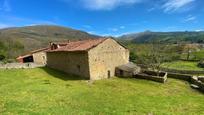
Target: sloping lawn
[45, 91]
[182, 65]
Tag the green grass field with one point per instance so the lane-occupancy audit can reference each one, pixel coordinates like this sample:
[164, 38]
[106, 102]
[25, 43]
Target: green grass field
[45, 91]
[182, 65]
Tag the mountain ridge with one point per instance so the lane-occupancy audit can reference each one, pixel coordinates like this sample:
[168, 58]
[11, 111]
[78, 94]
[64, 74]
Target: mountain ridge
[17, 40]
[162, 37]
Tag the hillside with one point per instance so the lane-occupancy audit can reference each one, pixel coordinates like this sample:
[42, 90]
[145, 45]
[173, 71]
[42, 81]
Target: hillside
[164, 37]
[15, 41]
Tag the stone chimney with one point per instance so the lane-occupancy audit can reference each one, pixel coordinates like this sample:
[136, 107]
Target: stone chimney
[53, 46]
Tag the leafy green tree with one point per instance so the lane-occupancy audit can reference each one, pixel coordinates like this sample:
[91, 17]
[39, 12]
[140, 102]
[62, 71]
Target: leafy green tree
[2, 57]
[133, 57]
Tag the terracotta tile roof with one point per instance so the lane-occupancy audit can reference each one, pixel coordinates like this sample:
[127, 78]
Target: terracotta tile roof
[24, 56]
[32, 52]
[83, 45]
[40, 50]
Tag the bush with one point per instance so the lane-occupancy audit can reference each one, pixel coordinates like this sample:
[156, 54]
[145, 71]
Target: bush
[201, 64]
[2, 57]
[133, 57]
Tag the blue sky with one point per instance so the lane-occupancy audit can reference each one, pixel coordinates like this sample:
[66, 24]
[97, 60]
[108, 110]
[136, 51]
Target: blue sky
[106, 17]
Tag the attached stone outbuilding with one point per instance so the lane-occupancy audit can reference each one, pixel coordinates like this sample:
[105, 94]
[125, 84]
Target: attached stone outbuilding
[37, 56]
[93, 59]
[127, 70]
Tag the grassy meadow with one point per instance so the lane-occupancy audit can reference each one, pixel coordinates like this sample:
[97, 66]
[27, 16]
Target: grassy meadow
[46, 91]
[183, 65]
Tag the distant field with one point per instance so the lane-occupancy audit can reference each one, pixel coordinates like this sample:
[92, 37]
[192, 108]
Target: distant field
[199, 55]
[45, 91]
[182, 65]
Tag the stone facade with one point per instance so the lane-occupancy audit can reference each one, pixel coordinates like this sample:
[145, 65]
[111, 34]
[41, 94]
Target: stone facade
[70, 62]
[40, 58]
[96, 63]
[104, 59]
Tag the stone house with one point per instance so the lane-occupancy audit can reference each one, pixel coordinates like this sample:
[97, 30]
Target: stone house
[93, 59]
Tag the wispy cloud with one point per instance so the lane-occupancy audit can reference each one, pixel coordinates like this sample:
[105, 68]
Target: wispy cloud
[14, 21]
[116, 29]
[199, 30]
[190, 18]
[177, 5]
[113, 29]
[87, 26]
[151, 9]
[107, 4]
[3, 25]
[5, 6]
[122, 27]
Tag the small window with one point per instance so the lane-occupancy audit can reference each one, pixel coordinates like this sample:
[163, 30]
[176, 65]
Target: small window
[79, 68]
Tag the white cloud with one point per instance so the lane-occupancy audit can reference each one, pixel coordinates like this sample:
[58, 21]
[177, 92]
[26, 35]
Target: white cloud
[2, 25]
[199, 30]
[92, 32]
[176, 5]
[87, 26]
[107, 4]
[114, 29]
[13, 21]
[122, 27]
[190, 18]
[151, 9]
[5, 6]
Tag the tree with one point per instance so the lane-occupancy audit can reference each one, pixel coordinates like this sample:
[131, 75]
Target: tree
[188, 49]
[133, 57]
[156, 56]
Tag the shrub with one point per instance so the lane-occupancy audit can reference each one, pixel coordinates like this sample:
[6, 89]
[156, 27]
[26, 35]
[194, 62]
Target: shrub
[201, 64]
[133, 57]
[2, 57]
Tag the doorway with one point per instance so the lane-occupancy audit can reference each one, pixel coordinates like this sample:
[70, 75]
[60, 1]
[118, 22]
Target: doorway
[28, 59]
[121, 72]
[109, 74]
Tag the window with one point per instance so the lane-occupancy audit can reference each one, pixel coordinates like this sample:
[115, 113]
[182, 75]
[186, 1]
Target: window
[79, 68]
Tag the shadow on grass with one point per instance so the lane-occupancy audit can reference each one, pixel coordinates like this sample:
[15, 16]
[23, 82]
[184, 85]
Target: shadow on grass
[61, 75]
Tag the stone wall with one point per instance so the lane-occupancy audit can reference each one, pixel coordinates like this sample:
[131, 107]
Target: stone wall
[161, 79]
[182, 71]
[104, 58]
[191, 79]
[19, 65]
[40, 58]
[179, 76]
[201, 78]
[200, 84]
[69, 62]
